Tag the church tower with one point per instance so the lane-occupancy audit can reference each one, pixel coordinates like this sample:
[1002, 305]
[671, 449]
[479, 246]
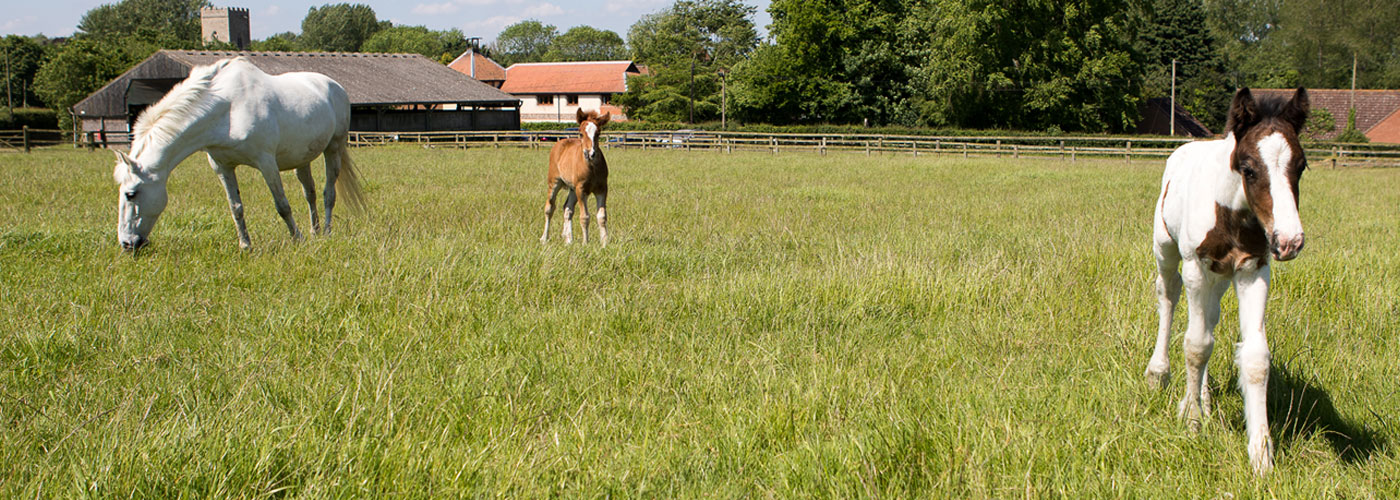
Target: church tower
[228, 24]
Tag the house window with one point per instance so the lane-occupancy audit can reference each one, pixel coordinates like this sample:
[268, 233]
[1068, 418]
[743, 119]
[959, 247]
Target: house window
[605, 99]
[544, 99]
[572, 99]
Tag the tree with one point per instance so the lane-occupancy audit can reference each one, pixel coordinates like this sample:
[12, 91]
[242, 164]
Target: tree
[78, 69]
[174, 19]
[281, 42]
[20, 62]
[686, 45]
[525, 41]
[1177, 30]
[435, 45]
[1037, 65]
[339, 27]
[584, 43]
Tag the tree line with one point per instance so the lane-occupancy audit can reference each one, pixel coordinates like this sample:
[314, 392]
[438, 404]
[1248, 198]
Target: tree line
[1039, 65]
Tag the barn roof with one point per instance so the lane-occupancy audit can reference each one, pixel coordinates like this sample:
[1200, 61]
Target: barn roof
[1372, 106]
[590, 77]
[1157, 119]
[480, 67]
[369, 79]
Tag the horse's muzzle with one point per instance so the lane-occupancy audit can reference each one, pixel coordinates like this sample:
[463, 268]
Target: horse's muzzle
[1286, 248]
[134, 245]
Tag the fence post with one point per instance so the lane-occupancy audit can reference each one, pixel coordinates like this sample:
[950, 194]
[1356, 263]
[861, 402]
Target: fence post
[1016, 151]
[937, 146]
[1128, 153]
[823, 147]
[26, 138]
[775, 145]
[880, 146]
[914, 144]
[1072, 153]
[998, 148]
[964, 150]
[1062, 148]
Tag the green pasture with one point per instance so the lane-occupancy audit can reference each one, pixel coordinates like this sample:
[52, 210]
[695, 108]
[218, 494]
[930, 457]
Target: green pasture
[762, 326]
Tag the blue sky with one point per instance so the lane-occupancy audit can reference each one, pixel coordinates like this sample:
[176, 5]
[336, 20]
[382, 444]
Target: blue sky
[483, 18]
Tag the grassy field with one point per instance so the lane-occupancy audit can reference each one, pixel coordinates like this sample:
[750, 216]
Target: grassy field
[761, 326]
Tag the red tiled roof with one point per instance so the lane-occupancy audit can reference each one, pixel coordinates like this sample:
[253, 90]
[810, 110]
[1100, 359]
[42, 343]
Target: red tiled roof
[1372, 106]
[594, 77]
[485, 69]
[1387, 131]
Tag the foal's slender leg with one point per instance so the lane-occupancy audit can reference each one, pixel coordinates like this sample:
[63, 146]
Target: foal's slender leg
[308, 189]
[569, 217]
[602, 197]
[549, 208]
[235, 202]
[1252, 355]
[273, 176]
[1203, 303]
[1158, 372]
[583, 212]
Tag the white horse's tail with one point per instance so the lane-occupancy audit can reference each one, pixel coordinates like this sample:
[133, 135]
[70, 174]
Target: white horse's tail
[347, 183]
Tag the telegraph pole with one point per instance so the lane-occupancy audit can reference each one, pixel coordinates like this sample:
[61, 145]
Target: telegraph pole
[1172, 112]
[692, 88]
[723, 101]
[10, 101]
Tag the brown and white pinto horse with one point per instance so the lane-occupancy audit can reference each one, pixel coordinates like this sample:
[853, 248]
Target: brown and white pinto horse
[1225, 207]
[578, 164]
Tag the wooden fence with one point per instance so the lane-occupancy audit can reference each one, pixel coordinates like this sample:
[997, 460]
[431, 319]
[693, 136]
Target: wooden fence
[1010, 147]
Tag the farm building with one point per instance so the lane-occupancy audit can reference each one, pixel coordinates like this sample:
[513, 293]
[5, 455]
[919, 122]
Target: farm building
[388, 92]
[1157, 119]
[554, 91]
[480, 67]
[1377, 111]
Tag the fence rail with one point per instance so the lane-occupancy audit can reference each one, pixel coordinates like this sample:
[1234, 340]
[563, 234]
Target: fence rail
[1012, 147]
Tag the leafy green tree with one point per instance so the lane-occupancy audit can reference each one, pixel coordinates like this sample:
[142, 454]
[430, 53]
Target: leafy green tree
[1178, 30]
[435, 45]
[835, 61]
[78, 69]
[176, 19]
[686, 46]
[584, 43]
[1035, 65]
[341, 27]
[525, 41]
[281, 42]
[22, 58]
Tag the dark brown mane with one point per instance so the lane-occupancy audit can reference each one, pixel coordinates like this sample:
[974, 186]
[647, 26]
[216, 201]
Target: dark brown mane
[1247, 111]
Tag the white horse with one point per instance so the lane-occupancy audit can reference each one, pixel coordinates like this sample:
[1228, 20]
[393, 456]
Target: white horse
[238, 115]
[1225, 206]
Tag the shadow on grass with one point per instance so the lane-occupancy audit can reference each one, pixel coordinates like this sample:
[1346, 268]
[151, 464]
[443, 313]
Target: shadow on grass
[1299, 408]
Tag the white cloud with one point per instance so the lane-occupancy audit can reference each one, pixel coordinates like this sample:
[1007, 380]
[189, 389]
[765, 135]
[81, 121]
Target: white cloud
[18, 25]
[542, 10]
[434, 9]
[633, 6]
[273, 10]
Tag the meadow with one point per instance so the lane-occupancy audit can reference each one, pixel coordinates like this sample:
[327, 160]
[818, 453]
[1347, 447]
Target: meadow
[761, 325]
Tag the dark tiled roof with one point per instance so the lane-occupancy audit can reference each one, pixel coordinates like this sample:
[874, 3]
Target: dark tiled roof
[1156, 119]
[592, 77]
[369, 79]
[1372, 106]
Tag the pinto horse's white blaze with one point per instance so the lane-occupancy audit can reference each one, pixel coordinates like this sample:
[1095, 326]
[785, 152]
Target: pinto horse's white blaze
[238, 115]
[1225, 206]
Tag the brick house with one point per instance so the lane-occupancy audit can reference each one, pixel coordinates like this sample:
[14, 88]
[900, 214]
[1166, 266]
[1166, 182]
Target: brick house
[1377, 111]
[554, 91]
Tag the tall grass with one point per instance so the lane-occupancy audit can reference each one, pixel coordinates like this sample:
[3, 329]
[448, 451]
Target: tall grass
[761, 326]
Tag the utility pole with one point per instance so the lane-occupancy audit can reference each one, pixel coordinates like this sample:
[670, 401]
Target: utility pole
[723, 101]
[10, 101]
[1353, 80]
[692, 88]
[1173, 110]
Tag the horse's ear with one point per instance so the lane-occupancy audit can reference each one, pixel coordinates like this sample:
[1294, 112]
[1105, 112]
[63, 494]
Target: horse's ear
[1243, 113]
[581, 115]
[1296, 113]
[125, 167]
[603, 120]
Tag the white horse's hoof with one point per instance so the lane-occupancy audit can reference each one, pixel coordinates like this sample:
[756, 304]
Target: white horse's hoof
[1157, 377]
[1261, 455]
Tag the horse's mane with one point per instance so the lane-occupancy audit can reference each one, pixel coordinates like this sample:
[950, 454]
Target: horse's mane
[1266, 107]
[172, 114]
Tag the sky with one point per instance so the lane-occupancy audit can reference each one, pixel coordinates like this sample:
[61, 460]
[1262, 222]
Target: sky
[483, 18]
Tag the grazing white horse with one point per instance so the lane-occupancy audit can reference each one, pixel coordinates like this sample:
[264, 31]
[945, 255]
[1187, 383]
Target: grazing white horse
[1225, 206]
[238, 115]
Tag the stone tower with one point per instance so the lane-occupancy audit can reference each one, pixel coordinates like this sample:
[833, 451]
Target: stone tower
[229, 24]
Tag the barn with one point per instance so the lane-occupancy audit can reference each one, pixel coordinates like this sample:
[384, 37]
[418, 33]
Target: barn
[388, 92]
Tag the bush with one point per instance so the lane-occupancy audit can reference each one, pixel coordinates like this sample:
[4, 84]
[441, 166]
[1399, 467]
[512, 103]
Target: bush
[34, 118]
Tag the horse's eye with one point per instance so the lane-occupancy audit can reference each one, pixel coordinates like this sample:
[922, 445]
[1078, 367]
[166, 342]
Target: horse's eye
[1249, 174]
[130, 195]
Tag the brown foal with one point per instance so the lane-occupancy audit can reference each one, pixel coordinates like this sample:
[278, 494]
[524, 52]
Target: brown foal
[579, 165]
